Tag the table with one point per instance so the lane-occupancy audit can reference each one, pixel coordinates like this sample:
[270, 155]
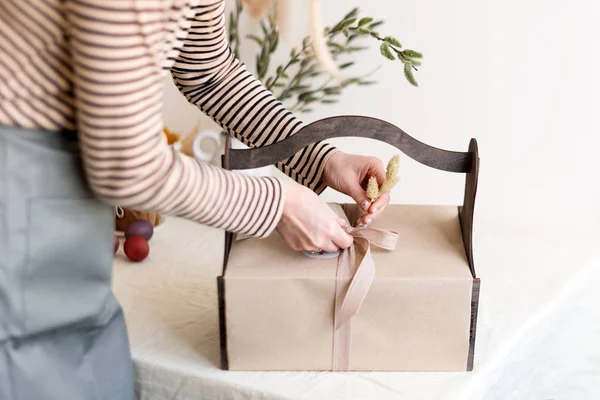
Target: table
[538, 331]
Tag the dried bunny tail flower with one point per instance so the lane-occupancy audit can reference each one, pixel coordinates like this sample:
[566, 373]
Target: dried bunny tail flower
[319, 44]
[391, 174]
[389, 184]
[392, 167]
[372, 189]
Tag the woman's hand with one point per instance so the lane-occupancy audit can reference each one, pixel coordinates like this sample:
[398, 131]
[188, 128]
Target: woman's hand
[308, 223]
[349, 174]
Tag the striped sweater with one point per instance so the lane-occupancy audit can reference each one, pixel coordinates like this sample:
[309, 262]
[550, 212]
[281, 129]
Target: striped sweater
[97, 67]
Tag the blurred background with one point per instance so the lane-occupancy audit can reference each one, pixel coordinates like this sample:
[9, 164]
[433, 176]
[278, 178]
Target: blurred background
[521, 77]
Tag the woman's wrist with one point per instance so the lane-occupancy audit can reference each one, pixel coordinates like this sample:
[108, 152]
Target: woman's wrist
[326, 170]
[323, 181]
[284, 187]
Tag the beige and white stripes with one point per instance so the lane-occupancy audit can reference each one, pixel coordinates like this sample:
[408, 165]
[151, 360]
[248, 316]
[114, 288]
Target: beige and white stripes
[96, 66]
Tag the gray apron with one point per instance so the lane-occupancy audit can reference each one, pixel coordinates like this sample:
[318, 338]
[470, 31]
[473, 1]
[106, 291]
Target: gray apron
[62, 333]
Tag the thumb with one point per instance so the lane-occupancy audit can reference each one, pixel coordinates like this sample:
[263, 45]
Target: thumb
[360, 196]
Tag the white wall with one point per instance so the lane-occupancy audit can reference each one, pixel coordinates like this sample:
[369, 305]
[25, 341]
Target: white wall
[520, 76]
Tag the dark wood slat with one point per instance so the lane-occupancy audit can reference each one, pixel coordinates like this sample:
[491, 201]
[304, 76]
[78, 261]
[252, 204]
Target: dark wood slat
[350, 126]
[226, 154]
[467, 210]
[473, 327]
[222, 323]
[221, 279]
[227, 249]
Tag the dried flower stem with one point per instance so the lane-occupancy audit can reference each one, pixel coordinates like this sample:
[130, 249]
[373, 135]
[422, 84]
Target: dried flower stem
[391, 179]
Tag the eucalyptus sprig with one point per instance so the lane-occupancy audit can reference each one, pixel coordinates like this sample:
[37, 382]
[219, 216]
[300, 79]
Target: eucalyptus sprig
[301, 77]
[390, 47]
[234, 23]
[410, 58]
[268, 44]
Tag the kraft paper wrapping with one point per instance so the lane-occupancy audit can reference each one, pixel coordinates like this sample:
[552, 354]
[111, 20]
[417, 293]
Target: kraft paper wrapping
[416, 316]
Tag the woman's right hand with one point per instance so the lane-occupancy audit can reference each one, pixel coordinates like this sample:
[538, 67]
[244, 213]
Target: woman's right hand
[308, 223]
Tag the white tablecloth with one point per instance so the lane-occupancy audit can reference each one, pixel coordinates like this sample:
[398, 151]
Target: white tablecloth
[538, 333]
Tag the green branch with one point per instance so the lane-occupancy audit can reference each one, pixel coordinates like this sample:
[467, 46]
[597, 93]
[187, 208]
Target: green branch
[301, 77]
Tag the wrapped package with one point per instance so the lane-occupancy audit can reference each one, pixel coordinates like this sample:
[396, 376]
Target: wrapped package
[278, 304]
[403, 297]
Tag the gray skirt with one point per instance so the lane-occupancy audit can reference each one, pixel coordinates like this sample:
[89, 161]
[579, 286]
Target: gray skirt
[62, 333]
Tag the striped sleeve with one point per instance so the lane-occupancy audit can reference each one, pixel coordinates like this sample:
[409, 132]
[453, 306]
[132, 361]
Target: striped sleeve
[208, 74]
[118, 93]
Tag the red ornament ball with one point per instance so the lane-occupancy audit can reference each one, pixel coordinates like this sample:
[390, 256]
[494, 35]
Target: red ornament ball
[116, 245]
[136, 248]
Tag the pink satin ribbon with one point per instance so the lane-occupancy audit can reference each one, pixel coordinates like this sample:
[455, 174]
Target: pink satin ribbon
[353, 283]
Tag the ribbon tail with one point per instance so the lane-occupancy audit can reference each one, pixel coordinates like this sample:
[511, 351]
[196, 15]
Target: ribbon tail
[358, 289]
[348, 299]
[345, 272]
[352, 286]
[342, 337]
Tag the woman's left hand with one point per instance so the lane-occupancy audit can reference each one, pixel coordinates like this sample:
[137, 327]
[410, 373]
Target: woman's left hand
[349, 174]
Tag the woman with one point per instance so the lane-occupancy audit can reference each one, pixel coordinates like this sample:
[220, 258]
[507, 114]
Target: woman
[80, 129]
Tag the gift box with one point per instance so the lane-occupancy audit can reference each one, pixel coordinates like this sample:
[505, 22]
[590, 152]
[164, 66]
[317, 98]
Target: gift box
[403, 298]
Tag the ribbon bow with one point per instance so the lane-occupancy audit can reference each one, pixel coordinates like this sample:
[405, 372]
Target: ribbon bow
[353, 283]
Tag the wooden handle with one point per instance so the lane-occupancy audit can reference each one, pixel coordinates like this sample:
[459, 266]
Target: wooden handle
[359, 126]
[349, 126]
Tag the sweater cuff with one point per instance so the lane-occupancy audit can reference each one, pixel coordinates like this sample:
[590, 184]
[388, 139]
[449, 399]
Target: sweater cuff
[306, 166]
[262, 206]
[248, 205]
[320, 185]
[271, 219]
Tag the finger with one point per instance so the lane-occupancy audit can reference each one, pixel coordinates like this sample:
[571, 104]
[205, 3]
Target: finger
[359, 195]
[330, 247]
[380, 204]
[377, 208]
[294, 245]
[368, 220]
[341, 239]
